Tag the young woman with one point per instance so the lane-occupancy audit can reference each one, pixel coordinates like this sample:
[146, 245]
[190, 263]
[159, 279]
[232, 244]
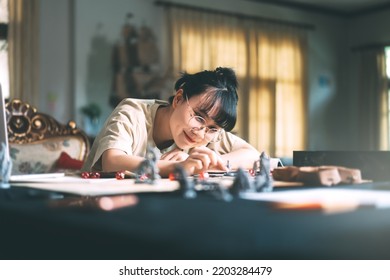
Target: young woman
[191, 130]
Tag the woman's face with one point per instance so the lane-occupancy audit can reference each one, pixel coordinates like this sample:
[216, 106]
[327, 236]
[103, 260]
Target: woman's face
[186, 122]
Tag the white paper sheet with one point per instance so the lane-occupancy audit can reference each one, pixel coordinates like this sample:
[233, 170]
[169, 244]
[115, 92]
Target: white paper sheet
[95, 187]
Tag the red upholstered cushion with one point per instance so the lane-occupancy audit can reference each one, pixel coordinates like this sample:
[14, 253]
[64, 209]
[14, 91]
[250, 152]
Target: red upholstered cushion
[66, 162]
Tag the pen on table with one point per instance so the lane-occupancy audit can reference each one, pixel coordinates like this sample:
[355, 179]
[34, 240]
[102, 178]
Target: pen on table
[228, 166]
[229, 171]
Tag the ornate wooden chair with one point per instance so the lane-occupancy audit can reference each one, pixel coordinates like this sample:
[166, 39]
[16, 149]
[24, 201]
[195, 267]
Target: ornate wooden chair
[39, 143]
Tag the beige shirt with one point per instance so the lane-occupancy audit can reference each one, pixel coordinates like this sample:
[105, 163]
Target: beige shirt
[130, 128]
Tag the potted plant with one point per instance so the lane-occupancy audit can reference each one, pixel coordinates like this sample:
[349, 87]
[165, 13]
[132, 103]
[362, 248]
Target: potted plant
[92, 112]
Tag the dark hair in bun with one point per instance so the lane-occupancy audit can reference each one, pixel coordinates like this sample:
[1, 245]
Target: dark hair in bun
[221, 88]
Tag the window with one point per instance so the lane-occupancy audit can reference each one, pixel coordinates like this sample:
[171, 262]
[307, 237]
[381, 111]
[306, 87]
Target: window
[387, 52]
[4, 77]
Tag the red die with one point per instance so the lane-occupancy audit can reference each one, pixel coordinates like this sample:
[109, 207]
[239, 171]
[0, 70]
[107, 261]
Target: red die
[120, 175]
[172, 177]
[204, 175]
[85, 175]
[94, 175]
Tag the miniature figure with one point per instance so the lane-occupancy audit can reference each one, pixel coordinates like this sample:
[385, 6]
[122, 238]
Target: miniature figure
[241, 182]
[263, 181]
[147, 171]
[187, 187]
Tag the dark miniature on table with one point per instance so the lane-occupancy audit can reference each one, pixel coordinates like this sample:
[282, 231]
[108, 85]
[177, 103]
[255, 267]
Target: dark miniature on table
[147, 171]
[263, 179]
[187, 187]
[241, 182]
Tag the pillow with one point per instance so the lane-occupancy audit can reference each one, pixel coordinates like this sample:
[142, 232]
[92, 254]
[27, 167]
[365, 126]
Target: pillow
[66, 162]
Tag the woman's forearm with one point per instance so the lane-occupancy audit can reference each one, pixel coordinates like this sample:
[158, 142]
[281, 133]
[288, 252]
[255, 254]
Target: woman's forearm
[114, 160]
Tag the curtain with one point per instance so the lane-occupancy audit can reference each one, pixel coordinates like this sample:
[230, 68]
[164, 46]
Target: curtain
[277, 82]
[373, 101]
[269, 61]
[23, 39]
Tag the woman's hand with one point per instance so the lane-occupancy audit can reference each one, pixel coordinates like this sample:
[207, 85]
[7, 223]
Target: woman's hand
[175, 155]
[201, 159]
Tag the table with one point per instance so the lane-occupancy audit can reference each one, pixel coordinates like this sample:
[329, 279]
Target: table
[167, 226]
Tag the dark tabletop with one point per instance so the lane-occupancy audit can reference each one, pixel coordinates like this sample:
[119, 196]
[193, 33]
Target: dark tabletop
[43, 225]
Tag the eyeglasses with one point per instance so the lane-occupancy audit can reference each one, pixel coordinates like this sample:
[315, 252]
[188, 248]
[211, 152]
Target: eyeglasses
[197, 124]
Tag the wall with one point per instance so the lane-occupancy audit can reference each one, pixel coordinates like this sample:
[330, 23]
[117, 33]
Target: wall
[82, 68]
[98, 25]
[56, 59]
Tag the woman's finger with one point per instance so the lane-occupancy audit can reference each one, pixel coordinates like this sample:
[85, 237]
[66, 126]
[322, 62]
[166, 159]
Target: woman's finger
[192, 165]
[203, 157]
[215, 159]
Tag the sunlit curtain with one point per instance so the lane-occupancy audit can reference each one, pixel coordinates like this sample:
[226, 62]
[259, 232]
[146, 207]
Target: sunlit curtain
[277, 88]
[269, 63]
[23, 39]
[373, 101]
